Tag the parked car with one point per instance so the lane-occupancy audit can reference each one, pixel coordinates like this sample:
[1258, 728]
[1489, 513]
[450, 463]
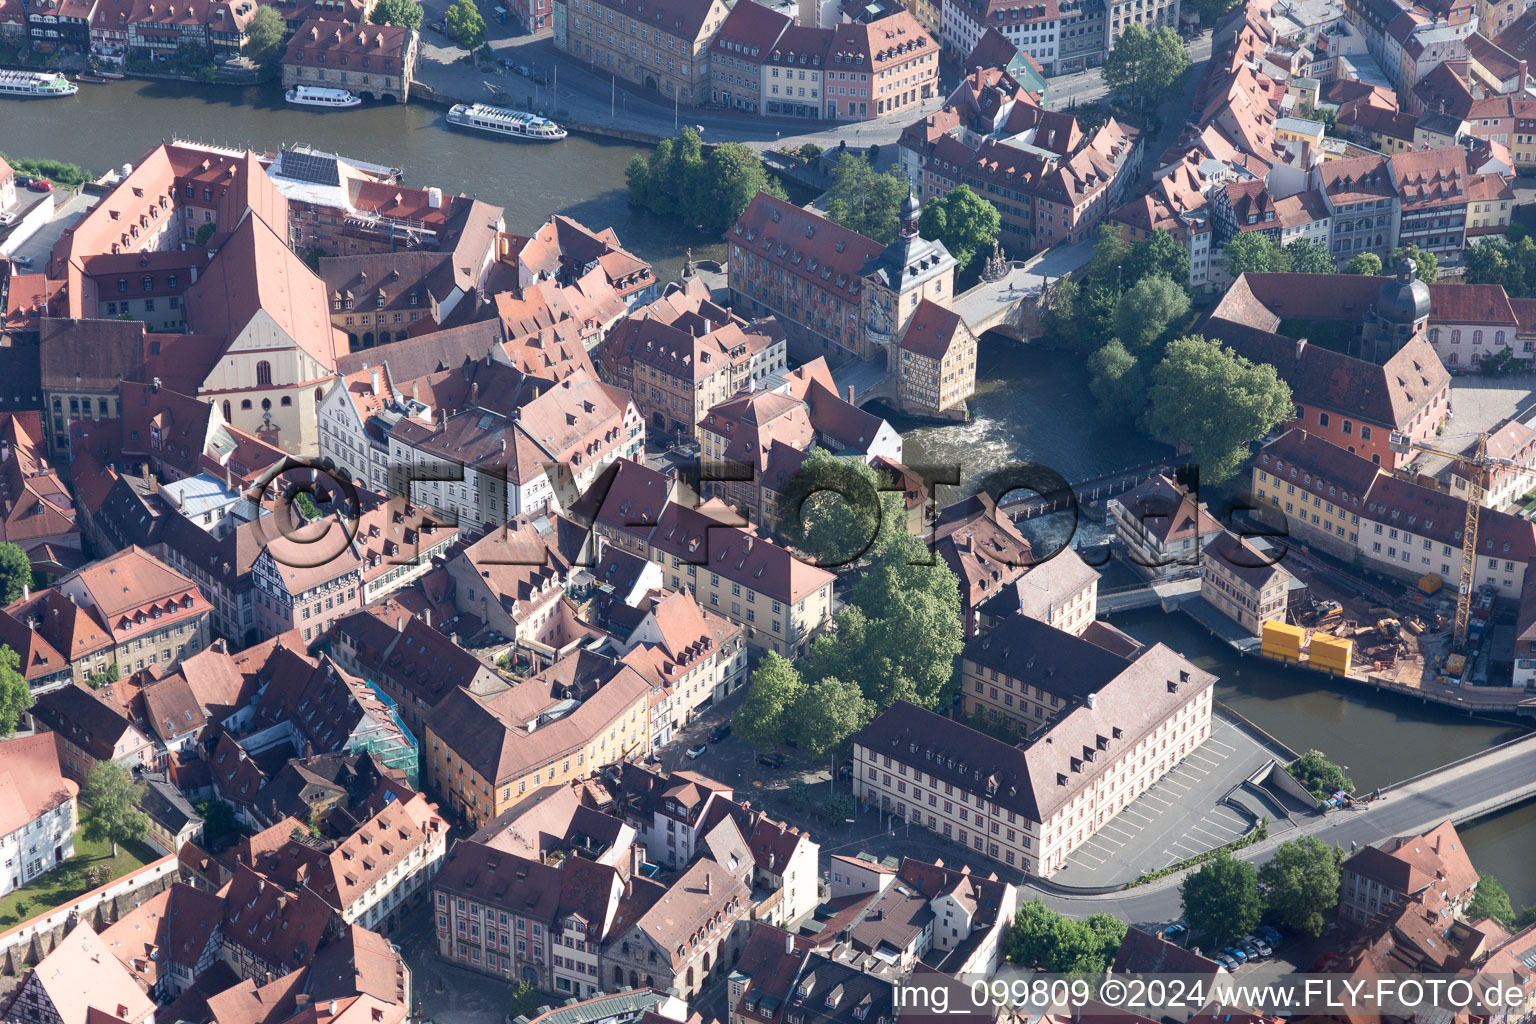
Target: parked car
[7, 218]
[721, 732]
[845, 770]
[22, 261]
[1251, 948]
[441, 28]
[1259, 944]
[1268, 934]
[698, 751]
[1225, 961]
[41, 185]
[771, 760]
[1175, 932]
[1236, 953]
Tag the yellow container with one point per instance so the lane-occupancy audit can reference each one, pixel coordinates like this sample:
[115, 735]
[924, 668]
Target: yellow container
[1332, 654]
[1279, 638]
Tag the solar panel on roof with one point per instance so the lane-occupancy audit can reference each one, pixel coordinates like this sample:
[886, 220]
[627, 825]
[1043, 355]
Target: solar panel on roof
[310, 167]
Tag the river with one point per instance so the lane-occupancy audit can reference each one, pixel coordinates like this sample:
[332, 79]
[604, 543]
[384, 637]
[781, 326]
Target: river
[104, 126]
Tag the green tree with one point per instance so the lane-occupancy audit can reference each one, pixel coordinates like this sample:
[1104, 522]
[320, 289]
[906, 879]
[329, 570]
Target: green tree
[1309, 256]
[264, 35]
[1097, 310]
[1215, 401]
[1144, 65]
[465, 24]
[1222, 900]
[865, 201]
[1042, 936]
[1366, 263]
[637, 175]
[525, 999]
[1321, 776]
[1491, 901]
[1111, 253]
[838, 807]
[965, 222]
[1211, 11]
[113, 798]
[405, 13]
[1301, 884]
[1251, 252]
[1117, 382]
[1158, 253]
[15, 694]
[827, 713]
[1492, 261]
[1058, 321]
[15, 571]
[763, 716]
[833, 509]
[1148, 310]
[219, 823]
[731, 177]
[204, 233]
[1427, 262]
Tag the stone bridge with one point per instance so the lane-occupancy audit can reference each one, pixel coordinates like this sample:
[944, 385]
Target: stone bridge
[1011, 304]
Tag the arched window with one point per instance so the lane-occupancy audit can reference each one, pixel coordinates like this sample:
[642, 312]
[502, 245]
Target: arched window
[1434, 335]
[286, 401]
[226, 412]
[1451, 359]
[1455, 337]
[1498, 337]
[245, 403]
[266, 405]
[263, 374]
[1477, 337]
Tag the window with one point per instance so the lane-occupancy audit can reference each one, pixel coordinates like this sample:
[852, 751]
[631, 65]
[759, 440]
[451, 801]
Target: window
[263, 374]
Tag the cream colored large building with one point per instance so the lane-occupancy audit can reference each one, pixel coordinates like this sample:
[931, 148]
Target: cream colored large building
[661, 47]
[1030, 806]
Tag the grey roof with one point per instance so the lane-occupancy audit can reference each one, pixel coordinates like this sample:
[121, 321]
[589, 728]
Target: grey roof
[622, 1004]
[164, 803]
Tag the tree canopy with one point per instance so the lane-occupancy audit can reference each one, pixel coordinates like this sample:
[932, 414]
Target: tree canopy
[1062, 945]
[865, 201]
[1148, 310]
[1427, 263]
[1144, 65]
[15, 571]
[828, 713]
[833, 509]
[678, 180]
[264, 34]
[1309, 256]
[1491, 901]
[1116, 380]
[1158, 253]
[762, 718]
[465, 24]
[1222, 899]
[965, 222]
[1511, 264]
[15, 694]
[112, 797]
[1251, 252]
[1215, 401]
[1366, 263]
[405, 13]
[1301, 883]
[1321, 776]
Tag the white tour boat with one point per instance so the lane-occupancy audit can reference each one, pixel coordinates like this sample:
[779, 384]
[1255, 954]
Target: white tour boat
[33, 85]
[515, 124]
[314, 96]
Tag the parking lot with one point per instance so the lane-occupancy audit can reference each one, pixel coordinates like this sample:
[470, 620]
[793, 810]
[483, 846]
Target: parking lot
[1179, 817]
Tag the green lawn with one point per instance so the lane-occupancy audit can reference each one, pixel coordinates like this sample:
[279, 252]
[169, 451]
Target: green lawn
[67, 881]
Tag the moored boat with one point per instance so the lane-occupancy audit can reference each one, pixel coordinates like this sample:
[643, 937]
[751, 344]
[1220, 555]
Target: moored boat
[315, 96]
[508, 123]
[34, 85]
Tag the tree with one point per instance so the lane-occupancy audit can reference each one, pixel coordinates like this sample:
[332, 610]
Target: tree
[1042, 936]
[219, 822]
[1215, 401]
[838, 807]
[1147, 311]
[1058, 320]
[1158, 253]
[1211, 11]
[864, 201]
[637, 175]
[15, 571]
[15, 694]
[827, 713]
[1491, 901]
[1301, 883]
[204, 233]
[405, 13]
[465, 25]
[1251, 252]
[1110, 254]
[1309, 256]
[1366, 263]
[264, 35]
[832, 509]
[1222, 899]
[1117, 382]
[1320, 775]
[762, 717]
[965, 222]
[1428, 263]
[524, 1001]
[731, 177]
[113, 798]
[1145, 64]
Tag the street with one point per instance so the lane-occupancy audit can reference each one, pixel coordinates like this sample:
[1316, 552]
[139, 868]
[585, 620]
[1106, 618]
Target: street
[578, 93]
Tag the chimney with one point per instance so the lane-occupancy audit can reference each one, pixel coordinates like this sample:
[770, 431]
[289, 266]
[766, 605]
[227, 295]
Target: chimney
[706, 883]
[399, 623]
[426, 616]
[26, 592]
[789, 944]
[373, 380]
[850, 394]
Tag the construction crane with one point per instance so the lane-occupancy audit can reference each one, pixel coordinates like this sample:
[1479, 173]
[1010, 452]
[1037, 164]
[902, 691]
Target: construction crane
[1476, 461]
